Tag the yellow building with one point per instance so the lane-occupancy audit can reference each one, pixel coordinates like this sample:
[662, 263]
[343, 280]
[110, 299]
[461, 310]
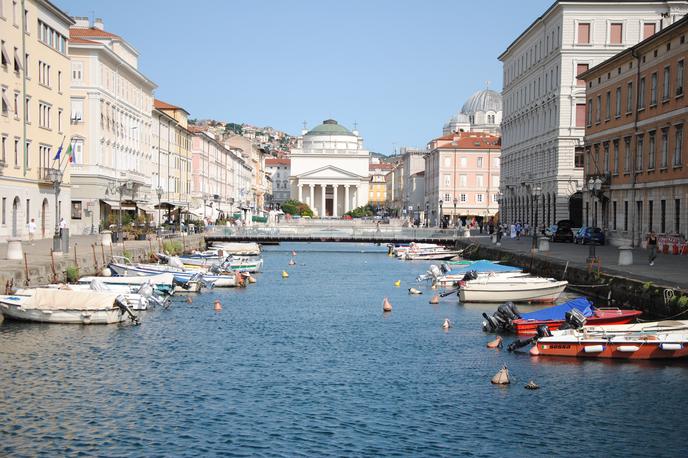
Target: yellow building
[377, 193]
[34, 78]
[171, 143]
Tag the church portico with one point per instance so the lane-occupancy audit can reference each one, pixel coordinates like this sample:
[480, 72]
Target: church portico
[330, 170]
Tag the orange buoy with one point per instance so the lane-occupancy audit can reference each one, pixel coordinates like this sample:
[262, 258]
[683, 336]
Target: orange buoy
[497, 343]
[293, 252]
[189, 300]
[435, 299]
[501, 377]
[218, 305]
[386, 305]
[534, 351]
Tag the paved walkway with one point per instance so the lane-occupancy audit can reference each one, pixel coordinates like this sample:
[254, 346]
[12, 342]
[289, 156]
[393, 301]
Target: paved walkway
[669, 270]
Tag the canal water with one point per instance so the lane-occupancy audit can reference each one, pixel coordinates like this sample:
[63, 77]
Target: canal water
[310, 366]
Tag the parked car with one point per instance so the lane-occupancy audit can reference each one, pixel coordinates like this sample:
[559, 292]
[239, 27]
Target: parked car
[562, 232]
[587, 234]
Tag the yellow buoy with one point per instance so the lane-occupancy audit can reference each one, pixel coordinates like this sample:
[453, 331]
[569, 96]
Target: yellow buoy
[397, 283]
[285, 274]
[218, 305]
[386, 305]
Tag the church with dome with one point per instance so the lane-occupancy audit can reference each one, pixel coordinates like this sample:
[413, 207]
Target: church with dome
[329, 169]
[482, 112]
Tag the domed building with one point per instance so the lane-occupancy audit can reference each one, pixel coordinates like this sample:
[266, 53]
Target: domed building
[329, 169]
[482, 112]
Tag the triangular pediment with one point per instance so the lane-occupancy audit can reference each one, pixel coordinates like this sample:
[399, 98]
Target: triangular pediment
[329, 171]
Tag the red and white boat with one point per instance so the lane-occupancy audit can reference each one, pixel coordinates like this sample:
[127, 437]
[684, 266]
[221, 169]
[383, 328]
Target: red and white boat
[659, 340]
[599, 317]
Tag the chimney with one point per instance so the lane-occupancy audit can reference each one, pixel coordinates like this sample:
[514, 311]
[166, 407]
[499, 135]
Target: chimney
[80, 22]
[98, 24]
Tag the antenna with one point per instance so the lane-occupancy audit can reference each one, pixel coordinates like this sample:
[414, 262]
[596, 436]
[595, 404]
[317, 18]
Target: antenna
[487, 84]
[93, 19]
[304, 125]
[355, 125]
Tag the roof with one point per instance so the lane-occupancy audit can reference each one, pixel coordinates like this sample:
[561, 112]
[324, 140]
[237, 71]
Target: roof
[160, 105]
[90, 32]
[197, 129]
[329, 127]
[467, 140]
[82, 41]
[631, 50]
[485, 100]
[381, 166]
[277, 161]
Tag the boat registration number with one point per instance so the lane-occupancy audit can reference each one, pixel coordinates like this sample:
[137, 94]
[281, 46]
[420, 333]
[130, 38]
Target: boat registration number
[556, 347]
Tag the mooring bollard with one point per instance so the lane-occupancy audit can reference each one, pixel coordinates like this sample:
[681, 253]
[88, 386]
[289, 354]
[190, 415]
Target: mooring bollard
[106, 238]
[14, 249]
[625, 255]
[543, 244]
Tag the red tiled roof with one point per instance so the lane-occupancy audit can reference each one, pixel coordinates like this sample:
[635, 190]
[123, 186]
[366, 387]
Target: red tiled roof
[381, 166]
[160, 105]
[82, 41]
[468, 140]
[91, 32]
[277, 161]
[197, 129]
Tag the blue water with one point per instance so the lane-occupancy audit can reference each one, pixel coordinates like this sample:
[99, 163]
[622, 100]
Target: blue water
[310, 366]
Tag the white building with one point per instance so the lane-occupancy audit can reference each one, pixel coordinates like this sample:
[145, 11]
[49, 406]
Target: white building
[329, 169]
[544, 103]
[278, 169]
[111, 106]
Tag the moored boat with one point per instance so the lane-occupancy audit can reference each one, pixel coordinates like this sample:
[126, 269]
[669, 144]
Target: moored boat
[536, 291]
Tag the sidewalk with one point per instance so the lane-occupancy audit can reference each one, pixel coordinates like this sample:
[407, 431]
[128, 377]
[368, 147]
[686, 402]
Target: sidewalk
[669, 270]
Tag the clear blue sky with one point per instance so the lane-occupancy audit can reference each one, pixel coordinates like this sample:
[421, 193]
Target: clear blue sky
[399, 68]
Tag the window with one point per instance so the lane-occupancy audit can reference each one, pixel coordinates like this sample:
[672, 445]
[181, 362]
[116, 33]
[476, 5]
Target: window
[664, 160]
[447, 162]
[16, 104]
[662, 216]
[447, 198]
[464, 163]
[77, 71]
[4, 56]
[579, 158]
[651, 153]
[589, 120]
[625, 215]
[51, 37]
[26, 109]
[76, 209]
[583, 33]
[16, 152]
[59, 120]
[650, 215]
[629, 97]
[580, 69]
[653, 89]
[678, 146]
[606, 157]
[447, 180]
[59, 81]
[666, 89]
[17, 61]
[649, 29]
[618, 102]
[28, 213]
[77, 110]
[598, 107]
[479, 198]
[479, 181]
[463, 180]
[480, 163]
[4, 208]
[44, 115]
[677, 216]
[639, 153]
[679, 78]
[616, 33]
[608, 107]
[5, 102]
[641, 94]
[627, 154]
[3, 151]
[462, 197]
[616, 157]
[495, 181]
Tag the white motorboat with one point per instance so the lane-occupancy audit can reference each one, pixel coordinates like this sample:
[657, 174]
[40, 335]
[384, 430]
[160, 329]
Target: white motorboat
[546, 291]
[453, 280]
[132, 299]
[185, 280]
[47, 305]
[238, 248]
[400, 250]
[435, 254]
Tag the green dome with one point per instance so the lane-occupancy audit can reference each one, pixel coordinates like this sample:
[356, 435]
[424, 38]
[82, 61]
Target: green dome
[329, 127]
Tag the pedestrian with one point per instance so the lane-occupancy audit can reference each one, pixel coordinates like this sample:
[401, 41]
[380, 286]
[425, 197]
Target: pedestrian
[377, 227]
[480, 225]
[32, 230]
[518, 230]
[652, 246]
[63, 226]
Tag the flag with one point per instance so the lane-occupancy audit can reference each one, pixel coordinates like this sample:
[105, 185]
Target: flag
[59, 151]
[70, 153]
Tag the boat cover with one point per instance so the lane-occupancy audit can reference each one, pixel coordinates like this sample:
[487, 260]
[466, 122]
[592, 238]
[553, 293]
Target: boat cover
[558, 312]
[60, 299]
[484, 266]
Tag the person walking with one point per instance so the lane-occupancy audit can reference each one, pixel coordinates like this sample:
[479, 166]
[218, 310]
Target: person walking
[518, 230]
[652, 246]
[63, 226]
[32, 230]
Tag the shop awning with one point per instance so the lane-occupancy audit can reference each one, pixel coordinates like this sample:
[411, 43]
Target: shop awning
[114, 205]
[147, 208]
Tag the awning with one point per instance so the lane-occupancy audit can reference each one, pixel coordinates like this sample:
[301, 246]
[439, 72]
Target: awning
[114, 205]
[147, 208]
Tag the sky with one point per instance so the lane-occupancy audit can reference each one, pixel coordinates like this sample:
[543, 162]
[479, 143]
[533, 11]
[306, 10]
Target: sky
[397, 69]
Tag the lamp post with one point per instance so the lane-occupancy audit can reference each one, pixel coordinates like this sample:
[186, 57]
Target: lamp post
[456, 201]
[535, 190]
[440, 219]
[595, 187]
[158, 191]
[55, 176]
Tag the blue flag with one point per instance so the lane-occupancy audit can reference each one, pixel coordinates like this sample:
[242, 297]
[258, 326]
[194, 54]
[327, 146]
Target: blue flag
[59, 151]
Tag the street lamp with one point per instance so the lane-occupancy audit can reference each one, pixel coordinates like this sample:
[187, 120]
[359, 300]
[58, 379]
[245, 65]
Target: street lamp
[440, 220]
[535, 190]
[595, 188]
[55, 176]
[455, 202]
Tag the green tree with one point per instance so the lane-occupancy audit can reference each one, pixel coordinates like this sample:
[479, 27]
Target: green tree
[294, 207]
[360, 212]
[234, 127]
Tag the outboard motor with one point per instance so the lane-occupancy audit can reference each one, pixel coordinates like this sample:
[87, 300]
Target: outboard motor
[444, 268]
[574, 319]
[543, 331]
[502, 318]
[470, 275]
[509, 310]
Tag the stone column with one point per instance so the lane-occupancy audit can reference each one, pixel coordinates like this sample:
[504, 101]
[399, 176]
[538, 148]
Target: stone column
[335, 188]
[323, 201]
[312, 201]
[347, 201]
[298, 186]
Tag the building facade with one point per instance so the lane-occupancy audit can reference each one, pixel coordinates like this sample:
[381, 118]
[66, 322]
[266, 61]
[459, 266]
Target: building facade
[329, 170]
[378, 186]
[279, 171]
[636, 169]
[462, 177]
[544, 102]
[111, 120]
[34, 79]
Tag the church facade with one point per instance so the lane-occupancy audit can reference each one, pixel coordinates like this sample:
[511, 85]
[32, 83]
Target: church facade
[329, 170]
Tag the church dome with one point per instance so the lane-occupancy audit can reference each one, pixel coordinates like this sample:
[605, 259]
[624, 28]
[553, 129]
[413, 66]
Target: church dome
[485, 100]
[329, 127]
[458, 118]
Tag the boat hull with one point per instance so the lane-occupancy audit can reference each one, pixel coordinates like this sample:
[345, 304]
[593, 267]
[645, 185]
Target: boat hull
[601, 318]
[504, 292]
[602, 348]
[105, 316]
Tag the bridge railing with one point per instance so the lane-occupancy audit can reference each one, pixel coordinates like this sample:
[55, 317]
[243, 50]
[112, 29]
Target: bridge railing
[338, 232]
